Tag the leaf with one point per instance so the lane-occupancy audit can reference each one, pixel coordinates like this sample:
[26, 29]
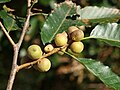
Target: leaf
[104, 73]
[4, 1]
[109, 33]
[58, 20]
[55, 23]
[94, 14]
[8, 21]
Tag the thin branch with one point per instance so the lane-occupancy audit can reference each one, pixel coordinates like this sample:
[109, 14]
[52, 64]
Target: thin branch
[16, 49]
[26, 25]
[6, 33]
[55, 50]
[13, 70]
[44, 14]
[24, 31]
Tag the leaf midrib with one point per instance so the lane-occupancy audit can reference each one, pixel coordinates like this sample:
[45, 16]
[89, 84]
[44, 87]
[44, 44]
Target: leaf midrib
[61, 23]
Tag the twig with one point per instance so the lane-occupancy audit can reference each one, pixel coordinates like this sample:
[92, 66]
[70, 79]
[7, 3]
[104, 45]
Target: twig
[44, 14]
[6, 33]
[13, 70]
[16, 49]
[31, 63]
[46, 55]
[26, 25]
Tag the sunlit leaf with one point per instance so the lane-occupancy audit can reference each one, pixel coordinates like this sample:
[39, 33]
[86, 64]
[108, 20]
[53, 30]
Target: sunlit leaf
[4, 1]
[9, 22]
[104, 73]
[110, 33]
[94, 14]
[55, 23]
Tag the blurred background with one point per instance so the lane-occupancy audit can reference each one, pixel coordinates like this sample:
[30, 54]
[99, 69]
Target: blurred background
[66, 73]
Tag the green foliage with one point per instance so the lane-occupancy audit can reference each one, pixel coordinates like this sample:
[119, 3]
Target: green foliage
[104, 73]
[109, 33]
[66, 14]
[4, 1]
[55, 23]
[9, 22]
[94, 14]
[58, 21]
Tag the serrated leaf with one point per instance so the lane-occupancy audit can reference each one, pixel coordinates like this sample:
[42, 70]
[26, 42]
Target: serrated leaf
[104, 73]
[55, 23]
[110, 33]
[8, 21]
[4, 1]
[94, 14]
